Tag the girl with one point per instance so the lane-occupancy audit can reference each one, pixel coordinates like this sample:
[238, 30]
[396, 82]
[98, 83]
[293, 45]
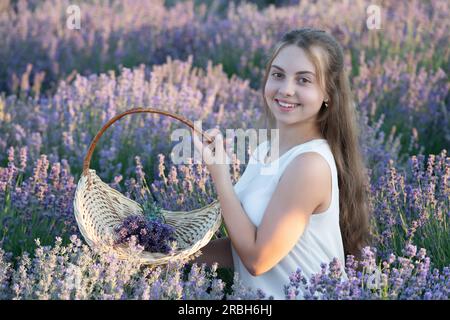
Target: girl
[314, 208]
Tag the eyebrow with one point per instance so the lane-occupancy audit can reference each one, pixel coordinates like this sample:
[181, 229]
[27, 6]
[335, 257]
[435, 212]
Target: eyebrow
[299, 72]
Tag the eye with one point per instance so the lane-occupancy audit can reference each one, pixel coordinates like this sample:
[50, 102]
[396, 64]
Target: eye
[275, 74]
[304, 80]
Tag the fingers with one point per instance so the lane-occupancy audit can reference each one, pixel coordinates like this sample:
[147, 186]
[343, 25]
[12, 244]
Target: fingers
[202, 146]
[214, 149]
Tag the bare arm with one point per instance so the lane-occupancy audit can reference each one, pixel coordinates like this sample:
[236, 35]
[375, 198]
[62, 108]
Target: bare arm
[219, 251]
[299, 192]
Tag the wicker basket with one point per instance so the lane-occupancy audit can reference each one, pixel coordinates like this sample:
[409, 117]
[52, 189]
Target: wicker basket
[99, 208]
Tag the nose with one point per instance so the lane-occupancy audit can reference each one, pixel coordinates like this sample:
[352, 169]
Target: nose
[287, 88]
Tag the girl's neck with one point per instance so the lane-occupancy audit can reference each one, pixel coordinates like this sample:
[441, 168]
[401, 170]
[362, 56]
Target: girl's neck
[291, 137]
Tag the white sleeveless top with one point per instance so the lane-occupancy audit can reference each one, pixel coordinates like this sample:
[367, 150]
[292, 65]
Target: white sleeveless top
[321, 240]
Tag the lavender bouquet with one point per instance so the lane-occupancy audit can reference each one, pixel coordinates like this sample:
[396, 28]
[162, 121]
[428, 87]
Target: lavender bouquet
[150, 230]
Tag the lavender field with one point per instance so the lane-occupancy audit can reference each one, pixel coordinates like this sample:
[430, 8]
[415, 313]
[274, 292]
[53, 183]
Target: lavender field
[205, 60]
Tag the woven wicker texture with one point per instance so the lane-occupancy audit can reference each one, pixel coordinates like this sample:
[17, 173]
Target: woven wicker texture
[99, 208]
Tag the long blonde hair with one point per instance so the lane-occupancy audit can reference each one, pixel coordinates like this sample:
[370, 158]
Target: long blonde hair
[338, 124]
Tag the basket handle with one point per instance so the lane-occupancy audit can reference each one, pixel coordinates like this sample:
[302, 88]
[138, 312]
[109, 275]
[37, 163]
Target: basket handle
[87, 159]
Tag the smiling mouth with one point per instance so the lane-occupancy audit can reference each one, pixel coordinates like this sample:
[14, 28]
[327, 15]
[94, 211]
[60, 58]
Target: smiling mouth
[286, 106]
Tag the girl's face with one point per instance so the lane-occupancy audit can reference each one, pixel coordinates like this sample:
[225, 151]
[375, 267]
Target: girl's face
[292, 82]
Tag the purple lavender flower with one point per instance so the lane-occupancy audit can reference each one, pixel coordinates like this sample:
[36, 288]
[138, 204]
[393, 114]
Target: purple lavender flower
[153, 235]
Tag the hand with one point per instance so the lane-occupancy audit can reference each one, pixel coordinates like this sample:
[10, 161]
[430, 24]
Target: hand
[214, 154]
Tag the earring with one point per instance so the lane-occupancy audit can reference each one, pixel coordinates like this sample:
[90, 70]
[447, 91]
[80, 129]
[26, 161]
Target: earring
[326, 103]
